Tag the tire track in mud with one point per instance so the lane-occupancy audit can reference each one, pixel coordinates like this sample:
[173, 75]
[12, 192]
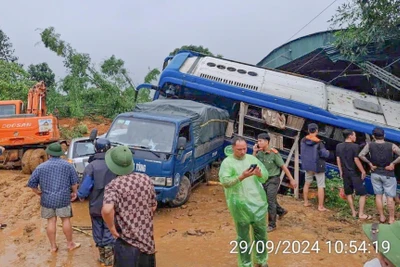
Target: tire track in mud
[196, 234]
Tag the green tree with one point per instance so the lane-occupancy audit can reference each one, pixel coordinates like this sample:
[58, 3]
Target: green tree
[108, 91]
[6, 48]
[365, 22]
[42, 72]
[14, 81]
[194, 48]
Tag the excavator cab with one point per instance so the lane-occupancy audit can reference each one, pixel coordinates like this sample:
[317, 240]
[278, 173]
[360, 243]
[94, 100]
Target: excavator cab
[11, 107]
[26, 131]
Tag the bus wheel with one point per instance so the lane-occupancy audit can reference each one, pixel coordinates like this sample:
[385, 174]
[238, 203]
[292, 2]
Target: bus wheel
[38, 157]
[183, 193]
[25, 161]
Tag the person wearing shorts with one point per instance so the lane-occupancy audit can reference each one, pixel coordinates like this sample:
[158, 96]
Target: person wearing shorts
[313, 156]
[382, 166]
[58, 182]
[352, 172]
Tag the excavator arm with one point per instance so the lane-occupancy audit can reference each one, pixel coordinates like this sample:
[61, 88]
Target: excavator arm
[37, 100]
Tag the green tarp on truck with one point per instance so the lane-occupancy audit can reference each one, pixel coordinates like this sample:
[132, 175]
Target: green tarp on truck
[209, 122]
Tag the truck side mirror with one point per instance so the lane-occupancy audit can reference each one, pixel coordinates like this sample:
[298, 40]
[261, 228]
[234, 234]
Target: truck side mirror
[182, 143]
[93, 135]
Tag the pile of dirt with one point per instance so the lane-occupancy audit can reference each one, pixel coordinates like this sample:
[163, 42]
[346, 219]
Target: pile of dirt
[100, 123]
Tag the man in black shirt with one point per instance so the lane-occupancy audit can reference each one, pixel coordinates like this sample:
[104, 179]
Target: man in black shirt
[382, 165]
[352, 172]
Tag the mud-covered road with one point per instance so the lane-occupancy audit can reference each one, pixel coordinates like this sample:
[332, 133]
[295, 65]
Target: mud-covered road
[198, 234]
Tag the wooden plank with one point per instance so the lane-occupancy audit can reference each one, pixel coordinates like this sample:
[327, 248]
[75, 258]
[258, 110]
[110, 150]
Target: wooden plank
[296, 170]
[292, 150]
[241, 118]
[262, 121]
[269, 131]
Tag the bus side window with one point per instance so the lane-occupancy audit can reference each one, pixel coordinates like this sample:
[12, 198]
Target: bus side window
[397, 173]
[397, 166]
[361, 139]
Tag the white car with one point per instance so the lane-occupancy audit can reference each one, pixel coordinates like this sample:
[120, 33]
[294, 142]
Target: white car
[79, 151]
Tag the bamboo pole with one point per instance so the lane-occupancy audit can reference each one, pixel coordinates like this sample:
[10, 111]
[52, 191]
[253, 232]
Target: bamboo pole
[79, 230]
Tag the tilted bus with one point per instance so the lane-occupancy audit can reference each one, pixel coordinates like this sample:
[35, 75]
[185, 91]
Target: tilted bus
[227, 83]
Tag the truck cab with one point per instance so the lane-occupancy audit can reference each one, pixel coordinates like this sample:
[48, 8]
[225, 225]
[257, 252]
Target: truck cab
[164, 147]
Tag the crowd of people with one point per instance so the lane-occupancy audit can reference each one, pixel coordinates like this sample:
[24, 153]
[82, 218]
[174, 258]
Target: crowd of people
[122, 202]
[243, 177]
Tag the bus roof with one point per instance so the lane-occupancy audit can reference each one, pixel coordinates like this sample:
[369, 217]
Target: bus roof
[284, 92]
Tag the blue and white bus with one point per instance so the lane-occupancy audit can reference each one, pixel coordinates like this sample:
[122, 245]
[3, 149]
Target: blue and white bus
[270, 95]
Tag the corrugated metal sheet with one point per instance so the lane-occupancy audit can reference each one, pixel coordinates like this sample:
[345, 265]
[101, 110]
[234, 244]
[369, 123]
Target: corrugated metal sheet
[297, 48]
[308, 44]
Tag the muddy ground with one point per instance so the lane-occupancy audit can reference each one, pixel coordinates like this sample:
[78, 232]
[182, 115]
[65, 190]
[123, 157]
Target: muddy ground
[198, 234]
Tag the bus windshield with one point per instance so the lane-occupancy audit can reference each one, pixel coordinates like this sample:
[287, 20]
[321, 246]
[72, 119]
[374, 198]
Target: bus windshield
[148, 134]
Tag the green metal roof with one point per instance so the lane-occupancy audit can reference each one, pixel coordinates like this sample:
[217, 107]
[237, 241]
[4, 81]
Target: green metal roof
[306, 45]
[297, 48]
[315, 56]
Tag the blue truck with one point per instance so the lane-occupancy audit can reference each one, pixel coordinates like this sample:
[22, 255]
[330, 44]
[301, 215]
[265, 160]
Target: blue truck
[175, 142]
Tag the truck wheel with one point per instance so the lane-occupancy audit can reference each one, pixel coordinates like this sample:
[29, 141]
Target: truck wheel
[38, 157]
[25, 161]
[183, 193]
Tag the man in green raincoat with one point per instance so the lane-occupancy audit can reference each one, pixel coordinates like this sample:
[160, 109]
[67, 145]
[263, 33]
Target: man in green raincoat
[247, 202]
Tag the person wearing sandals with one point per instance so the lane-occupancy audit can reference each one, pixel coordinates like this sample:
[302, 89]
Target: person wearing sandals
[58, 182]
[313, 162]
[352, 172]
[382, 166]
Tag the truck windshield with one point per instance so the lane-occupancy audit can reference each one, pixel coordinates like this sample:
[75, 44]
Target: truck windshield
[7, 109]
[149, 134]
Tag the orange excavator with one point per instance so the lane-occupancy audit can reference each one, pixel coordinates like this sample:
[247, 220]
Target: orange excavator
[25, 133]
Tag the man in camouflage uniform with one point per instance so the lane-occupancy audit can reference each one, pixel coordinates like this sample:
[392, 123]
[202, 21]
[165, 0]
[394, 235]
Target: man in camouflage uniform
[273, 162]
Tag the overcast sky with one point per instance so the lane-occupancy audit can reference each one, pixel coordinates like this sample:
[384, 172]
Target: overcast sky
[142, 33]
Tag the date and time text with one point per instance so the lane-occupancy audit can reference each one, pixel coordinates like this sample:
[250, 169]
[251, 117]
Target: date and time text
[308, 247]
